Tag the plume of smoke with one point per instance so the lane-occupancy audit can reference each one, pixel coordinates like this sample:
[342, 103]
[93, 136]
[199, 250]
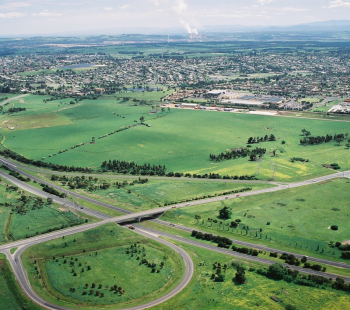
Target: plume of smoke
[194, 31]
[186, 26]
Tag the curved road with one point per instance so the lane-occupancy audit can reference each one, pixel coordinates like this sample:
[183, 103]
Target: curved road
[150, 233]
[22, 277]
[164, 209]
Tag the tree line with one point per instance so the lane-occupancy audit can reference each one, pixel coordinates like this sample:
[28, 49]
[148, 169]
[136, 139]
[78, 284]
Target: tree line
[121, 166]
[38, 163]
[322, 139]
[238, 153]
[15, 110]
[266, 138]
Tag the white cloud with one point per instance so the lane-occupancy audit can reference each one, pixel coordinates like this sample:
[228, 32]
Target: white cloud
[14, 5]
[11, 15]
[180, 6]
[47, 13]
[338, 3]
[108, 9]
[262, 2]
[291, 9]
[123, 7]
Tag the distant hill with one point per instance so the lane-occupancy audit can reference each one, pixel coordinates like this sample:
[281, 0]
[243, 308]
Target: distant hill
[329, 25]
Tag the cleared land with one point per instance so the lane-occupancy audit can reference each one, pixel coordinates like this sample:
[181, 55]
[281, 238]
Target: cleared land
[180, 139]
[299, 218]
[258, 289]
[102, 256]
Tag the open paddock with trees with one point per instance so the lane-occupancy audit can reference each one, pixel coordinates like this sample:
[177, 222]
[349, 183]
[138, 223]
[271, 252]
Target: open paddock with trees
[169, 141]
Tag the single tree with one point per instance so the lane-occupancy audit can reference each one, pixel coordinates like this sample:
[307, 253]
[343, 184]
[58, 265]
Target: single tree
[225, 213]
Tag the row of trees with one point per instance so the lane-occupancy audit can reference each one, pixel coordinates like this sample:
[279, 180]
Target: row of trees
[15, 110]
[125, 167]
[253, 140]
[238, 153]
[38, 163]
[323, 139]
[222, 242]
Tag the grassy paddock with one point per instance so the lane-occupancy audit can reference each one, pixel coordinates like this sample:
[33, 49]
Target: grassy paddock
[169, 141]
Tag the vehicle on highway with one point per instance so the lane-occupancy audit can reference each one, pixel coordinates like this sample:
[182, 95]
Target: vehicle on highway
[131, 227]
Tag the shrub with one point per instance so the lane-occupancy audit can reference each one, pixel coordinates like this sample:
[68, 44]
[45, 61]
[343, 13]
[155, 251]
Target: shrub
[334, 227]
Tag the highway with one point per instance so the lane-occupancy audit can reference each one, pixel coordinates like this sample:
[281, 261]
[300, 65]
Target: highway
[21, 275]
[152, 212]
[261, 247]
[256, 259]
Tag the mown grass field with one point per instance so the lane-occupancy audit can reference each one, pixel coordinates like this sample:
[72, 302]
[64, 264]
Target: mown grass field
[299, 218]
[110, 266]
[180, 139]
[203, 293]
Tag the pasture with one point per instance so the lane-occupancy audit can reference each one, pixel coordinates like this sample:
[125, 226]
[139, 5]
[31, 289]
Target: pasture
[296, 219]
[102, 256]
[182, 140]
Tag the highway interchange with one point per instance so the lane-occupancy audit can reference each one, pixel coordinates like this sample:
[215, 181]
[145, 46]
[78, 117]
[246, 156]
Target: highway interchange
[21, 275]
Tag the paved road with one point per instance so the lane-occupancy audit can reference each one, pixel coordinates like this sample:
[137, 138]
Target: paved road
[236, 254]
[22, 277]
[11, 99]
[261, 247]
[40, 193]
[21, 274]
[151, 212]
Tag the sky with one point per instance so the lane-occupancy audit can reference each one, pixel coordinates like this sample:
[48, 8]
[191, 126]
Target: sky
[44, 17]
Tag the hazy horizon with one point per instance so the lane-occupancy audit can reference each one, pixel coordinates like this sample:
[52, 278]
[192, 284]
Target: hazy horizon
[42, 17]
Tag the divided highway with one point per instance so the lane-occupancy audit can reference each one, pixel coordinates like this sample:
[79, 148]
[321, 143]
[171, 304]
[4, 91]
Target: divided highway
[147, 232]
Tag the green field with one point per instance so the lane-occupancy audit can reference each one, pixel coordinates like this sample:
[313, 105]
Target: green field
[180, 139]
[19, 219]
[204, 293]
[155, 193]
[104, 249]
[299, 218]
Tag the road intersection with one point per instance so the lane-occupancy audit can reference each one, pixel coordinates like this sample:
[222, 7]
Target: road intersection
[20, 273]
